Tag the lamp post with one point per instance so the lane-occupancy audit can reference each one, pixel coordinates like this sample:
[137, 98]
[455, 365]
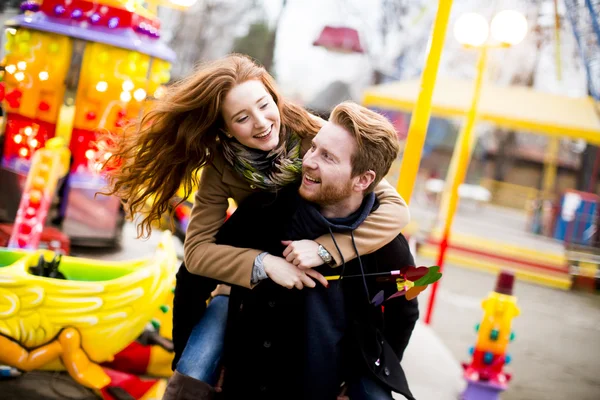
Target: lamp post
[508, 28]
[419, 121]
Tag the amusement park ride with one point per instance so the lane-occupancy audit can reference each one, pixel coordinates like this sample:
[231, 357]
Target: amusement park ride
[72, 69]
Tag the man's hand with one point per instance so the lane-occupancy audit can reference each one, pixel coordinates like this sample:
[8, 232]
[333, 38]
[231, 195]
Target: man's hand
[288, 275]
[302, 253]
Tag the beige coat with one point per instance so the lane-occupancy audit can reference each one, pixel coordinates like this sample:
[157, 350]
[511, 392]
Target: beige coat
[234, 265]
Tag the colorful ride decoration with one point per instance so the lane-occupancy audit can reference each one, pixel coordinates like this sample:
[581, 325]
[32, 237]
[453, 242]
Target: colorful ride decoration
[485, 374]
[74, 313]
[48, 166]
[74, 69]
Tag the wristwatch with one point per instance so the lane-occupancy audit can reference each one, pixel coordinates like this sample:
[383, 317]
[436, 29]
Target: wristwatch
[325, 256]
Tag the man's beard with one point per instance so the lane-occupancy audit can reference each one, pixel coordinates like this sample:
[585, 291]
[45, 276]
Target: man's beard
[328, 195]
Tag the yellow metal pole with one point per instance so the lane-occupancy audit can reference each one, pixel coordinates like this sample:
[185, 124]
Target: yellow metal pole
[463, 144]
[550, 165]
[466, 142]
[445, 199]
[415, 141]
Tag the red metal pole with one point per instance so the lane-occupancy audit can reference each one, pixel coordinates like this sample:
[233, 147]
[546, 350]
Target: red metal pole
[440, 263]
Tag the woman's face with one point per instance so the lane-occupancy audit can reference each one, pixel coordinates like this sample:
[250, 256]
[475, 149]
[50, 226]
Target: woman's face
[251, 116]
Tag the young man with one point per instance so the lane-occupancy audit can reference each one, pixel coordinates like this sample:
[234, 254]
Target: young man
[291, 344]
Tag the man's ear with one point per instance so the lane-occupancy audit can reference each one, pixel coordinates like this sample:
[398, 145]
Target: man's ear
[364, 180]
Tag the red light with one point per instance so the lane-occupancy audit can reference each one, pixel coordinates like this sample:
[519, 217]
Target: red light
[14, 98]
[90, 116]
[35, 196]
[25, 229]
[44, 106]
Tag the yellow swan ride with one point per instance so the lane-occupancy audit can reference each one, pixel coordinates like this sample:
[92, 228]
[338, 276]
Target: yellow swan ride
[73, 313]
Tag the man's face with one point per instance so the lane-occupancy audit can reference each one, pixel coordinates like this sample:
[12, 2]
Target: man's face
[327, 168]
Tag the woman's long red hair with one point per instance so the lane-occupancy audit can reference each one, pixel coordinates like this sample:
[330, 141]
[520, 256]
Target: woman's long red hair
[162, 151]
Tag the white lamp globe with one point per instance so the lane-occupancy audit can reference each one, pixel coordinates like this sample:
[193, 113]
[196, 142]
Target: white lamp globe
[471, 29]
[509, 27]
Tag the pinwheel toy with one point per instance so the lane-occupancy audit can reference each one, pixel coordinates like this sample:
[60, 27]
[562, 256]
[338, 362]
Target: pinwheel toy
[410, 281]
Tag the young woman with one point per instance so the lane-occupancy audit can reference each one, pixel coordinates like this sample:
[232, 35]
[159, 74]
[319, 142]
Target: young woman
[229, 119]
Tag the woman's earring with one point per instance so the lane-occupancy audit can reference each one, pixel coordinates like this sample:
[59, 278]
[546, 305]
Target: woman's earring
[226, 133]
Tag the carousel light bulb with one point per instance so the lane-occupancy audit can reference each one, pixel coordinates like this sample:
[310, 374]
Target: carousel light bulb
[28, 131]
[139, 94]
[158, 93]
[23, 152]
[128, 86]
[18, 139]
[102, 86]
[22, 65]
[10, 69]
[95, 17]
[107, 155]
[59, 10]
[113, 22]
[183, 3]
[89, 154]
[125, 96]
[33, 143]
[44, 76]
[19, 76]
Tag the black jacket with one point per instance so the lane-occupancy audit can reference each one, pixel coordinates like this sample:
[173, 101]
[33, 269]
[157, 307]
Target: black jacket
[293, 344]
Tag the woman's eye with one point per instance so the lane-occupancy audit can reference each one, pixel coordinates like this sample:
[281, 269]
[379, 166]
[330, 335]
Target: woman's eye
[264, 106]
[243, 119]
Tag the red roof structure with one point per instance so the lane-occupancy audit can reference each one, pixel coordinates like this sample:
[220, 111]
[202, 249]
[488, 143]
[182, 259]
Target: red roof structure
[340, 39]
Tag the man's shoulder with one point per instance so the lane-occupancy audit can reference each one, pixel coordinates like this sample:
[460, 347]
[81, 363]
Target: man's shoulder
[397, 252]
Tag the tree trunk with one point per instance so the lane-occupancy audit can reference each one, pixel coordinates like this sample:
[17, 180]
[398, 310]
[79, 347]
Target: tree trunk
[269, 61]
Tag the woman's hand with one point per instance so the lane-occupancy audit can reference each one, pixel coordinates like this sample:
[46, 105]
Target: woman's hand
[221, 290]
[288, 275]
[302, 253]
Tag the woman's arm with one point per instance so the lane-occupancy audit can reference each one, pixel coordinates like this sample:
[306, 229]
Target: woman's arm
[380, 227]
[202, 255]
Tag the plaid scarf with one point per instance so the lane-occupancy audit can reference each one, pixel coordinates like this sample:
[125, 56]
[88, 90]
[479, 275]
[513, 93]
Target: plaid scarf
[266, 170]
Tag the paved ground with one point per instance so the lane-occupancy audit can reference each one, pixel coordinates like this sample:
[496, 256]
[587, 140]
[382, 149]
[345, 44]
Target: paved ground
[556, 353]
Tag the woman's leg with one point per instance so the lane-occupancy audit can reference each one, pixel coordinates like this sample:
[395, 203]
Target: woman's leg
[202, 354]
[189, 304]
[368, 389]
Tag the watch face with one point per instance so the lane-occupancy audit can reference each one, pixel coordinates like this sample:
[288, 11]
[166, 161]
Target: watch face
[324, 254]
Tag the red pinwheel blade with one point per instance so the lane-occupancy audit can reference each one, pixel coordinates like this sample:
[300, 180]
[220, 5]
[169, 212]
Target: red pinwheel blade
[414, 274]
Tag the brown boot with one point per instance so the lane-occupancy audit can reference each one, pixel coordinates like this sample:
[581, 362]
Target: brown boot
[183, 387]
